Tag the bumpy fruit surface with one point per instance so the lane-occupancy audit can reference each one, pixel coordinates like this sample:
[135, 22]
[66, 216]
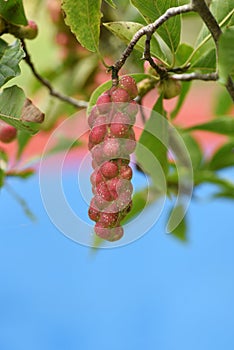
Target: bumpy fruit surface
[111, 141]
[7, 132]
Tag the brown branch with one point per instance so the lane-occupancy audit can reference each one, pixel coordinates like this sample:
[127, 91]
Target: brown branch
[196, 76]
[74, 102]
[162, 72]
[204, 12]
[150, 29]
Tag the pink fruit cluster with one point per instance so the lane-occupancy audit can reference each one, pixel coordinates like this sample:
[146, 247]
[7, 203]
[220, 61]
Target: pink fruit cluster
[111, 141]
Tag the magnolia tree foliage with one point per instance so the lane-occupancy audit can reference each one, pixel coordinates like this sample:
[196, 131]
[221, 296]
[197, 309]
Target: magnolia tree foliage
[143, 41]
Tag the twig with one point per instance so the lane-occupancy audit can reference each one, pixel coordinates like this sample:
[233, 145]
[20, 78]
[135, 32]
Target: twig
[204, 12]
[162, 72]
[195, 76]
[150, 29]
[46, 83]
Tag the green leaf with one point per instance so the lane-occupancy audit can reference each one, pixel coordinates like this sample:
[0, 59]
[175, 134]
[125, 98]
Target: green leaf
[205, 62]
[226, 54]
[10, 56]
[83, 17]
[23, 138]
[222, 11]
[185, 87]
[13, 11]
[211, 177]
[111, 3]
[177, 225]
[152, 10]
[227, 194]
[126, 30]
[151, 150]
[223, 125]
[223, 103]
[12, 101]
[194, 150]
[107, 85]
[182, 53]
[223, 157]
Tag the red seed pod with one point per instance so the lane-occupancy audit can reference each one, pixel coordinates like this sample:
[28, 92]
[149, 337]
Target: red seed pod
[7, 132]
[101, 120]
[128, 146]
[103, 191]
[124, 186]
[94, 212]
[112, 186]
[111, 148]
[97, 134]
[112, 208]
[122, 161]
[123, 201]
[116, 233]
[125, 172]
[109, 234]
[102, 231]
[97, 154]
[96, 177]
[100, 202]
[93, 116]
[120, 95]
[129, 84]
[104, 103]
[120, 125]
[109, 219]
[109, 169]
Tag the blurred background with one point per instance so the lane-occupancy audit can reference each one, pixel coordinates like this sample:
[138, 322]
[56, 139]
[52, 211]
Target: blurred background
[156, 293]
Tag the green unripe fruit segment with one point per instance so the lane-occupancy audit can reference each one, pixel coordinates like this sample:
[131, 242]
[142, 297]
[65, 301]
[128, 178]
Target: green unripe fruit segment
[169, 88]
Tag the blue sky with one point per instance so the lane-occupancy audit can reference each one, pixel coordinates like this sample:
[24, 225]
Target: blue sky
[155, 293]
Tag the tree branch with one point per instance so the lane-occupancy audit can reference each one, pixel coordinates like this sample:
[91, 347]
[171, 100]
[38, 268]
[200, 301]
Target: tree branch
[162, 72]
[74, 102]
[149, 30]
[204, 12]
[195, 76]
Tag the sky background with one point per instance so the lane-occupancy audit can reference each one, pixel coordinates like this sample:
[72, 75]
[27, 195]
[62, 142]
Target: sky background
[155, 293]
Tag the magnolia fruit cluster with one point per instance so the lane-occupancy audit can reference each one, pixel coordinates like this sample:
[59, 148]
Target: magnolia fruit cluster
[111, 141]
[7, 132]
